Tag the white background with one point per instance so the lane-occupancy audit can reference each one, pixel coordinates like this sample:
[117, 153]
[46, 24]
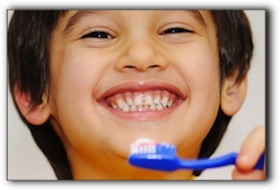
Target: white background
[25, 161]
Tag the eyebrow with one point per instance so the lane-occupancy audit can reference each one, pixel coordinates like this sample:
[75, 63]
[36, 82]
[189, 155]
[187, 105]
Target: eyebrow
[78, 16]
[198, 16]
[84, 13]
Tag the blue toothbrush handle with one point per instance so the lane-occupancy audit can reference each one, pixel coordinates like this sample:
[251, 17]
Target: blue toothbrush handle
[225, 160]
[260, 163]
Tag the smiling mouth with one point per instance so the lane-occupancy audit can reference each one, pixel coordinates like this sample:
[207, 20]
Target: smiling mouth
[148, 98]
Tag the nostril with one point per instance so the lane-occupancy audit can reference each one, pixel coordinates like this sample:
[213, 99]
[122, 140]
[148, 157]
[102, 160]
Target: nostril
[140, 67]
[153, 66]
[130, 67]
[130, 63]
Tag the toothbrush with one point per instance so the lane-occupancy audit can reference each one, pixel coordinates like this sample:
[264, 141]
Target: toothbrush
[145, 153]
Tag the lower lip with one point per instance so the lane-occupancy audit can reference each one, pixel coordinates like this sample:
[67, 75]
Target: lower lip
[143, 115]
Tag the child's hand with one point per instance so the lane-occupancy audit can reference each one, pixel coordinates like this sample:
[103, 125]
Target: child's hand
[250, 152]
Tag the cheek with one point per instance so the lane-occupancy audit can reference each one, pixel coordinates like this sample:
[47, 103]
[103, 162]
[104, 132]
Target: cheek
[71, 77]
[205, 83]
[73, 81]
[199, 68]
[76, 72]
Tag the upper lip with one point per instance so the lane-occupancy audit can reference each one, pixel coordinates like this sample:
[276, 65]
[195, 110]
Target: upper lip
[142, 86]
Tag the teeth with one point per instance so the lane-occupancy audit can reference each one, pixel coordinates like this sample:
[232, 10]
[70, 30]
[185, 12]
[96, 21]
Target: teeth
[138, 100]
[133, 107]
[157, 100]
[153, 107]
[164, 101]
[129, 101]
[148, 101]
[159, 107]
[115, 106]
[121, 103]
[126, 108]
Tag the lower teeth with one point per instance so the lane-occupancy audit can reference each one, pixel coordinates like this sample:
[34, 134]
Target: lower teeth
[141, 108]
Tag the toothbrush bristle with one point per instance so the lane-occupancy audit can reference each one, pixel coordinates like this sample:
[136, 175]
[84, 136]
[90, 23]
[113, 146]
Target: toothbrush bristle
[165, 148]
[144, 148]
[147, 146]
[151, 155]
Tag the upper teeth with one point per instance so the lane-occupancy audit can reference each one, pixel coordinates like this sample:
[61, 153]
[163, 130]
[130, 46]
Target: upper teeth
[138, 101]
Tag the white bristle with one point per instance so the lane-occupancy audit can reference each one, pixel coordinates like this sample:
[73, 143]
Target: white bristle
[143, 146]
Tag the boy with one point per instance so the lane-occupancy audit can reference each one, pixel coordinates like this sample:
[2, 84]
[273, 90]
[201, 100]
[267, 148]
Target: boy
[89, 83]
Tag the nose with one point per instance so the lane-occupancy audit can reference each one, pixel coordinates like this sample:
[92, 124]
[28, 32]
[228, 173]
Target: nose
[142, 56]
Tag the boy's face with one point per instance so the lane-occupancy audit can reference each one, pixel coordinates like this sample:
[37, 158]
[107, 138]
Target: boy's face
[117, 76]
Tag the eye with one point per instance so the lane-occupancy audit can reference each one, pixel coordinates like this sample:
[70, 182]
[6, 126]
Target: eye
[176, 31]
[98, 34]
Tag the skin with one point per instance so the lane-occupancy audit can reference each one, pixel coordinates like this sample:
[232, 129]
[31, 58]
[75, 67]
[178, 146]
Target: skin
[248, 156]
[135, 47]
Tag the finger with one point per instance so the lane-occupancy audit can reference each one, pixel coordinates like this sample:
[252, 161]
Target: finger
[248, 175]
[251, 149]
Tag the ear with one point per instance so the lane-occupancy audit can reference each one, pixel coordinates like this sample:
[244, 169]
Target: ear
[36, 115]
[233, 94]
